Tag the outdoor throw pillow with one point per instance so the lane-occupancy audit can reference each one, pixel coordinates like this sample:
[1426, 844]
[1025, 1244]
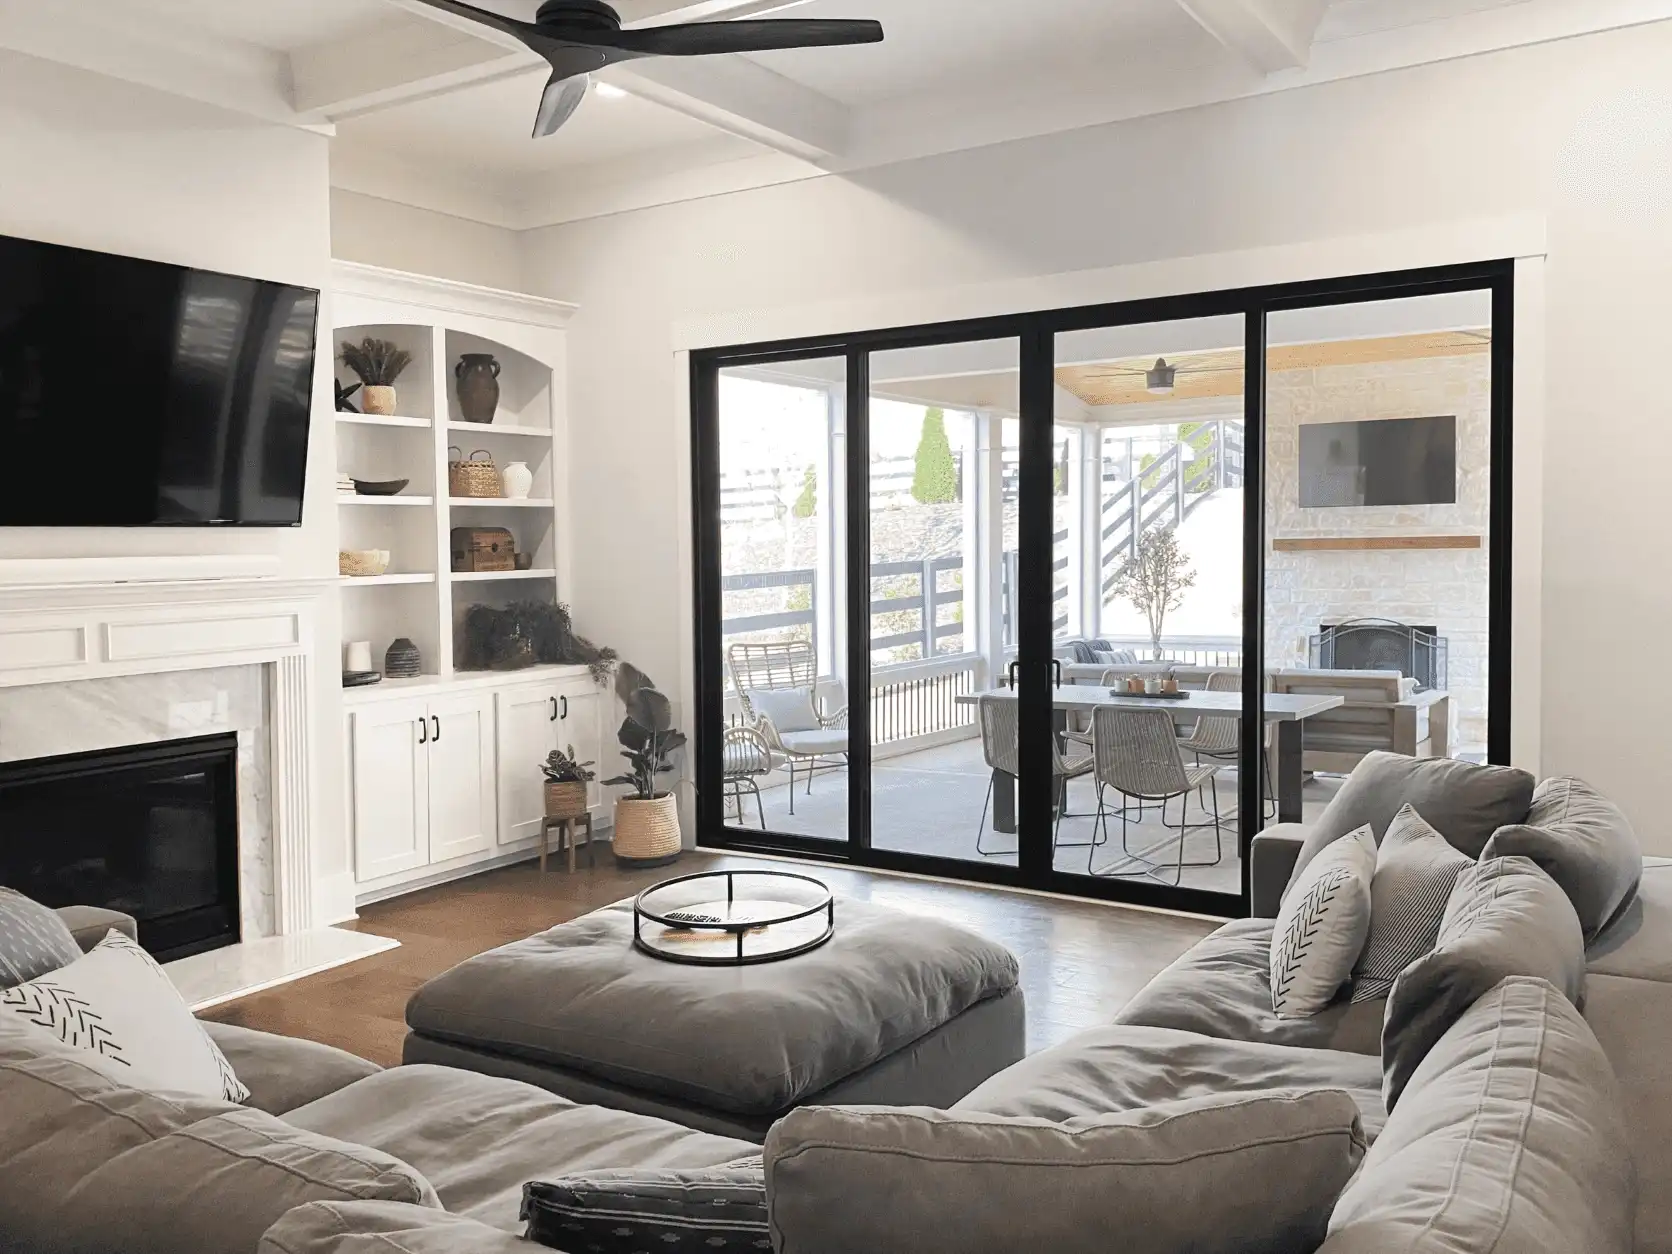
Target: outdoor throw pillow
[33, 940]
[117, 1006]
[1321, 927]
[790, 709]
[722, 1209]
[1416, 870]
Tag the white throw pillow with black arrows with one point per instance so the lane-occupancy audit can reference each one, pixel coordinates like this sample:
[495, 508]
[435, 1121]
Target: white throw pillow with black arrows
[117, 1006]
[1321, 927]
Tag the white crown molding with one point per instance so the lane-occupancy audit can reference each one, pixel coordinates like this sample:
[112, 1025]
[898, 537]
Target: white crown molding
[376, 283]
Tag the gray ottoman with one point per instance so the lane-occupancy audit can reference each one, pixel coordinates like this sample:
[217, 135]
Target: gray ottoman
[897, 1009]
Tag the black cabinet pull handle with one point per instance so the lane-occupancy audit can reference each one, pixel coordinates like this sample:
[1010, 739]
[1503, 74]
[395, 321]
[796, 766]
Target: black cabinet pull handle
[565, 701]
[423, 732]
[553, 700]
[436, 738]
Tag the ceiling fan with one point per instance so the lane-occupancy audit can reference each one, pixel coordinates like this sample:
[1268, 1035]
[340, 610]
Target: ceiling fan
[578, 37]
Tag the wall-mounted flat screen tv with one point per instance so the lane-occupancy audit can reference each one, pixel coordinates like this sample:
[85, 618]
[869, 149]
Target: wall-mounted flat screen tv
[134, 393]
[1393, 461]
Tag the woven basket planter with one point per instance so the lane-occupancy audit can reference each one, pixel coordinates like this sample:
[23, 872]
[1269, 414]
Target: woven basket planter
[469, 476]
[646, 832]
[565, 800]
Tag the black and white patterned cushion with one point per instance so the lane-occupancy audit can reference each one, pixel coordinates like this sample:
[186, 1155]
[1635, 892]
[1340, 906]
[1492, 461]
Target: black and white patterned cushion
[1416, 870]
[718, 1209]
[116, 1004]
[33, 940]
[1321, 927]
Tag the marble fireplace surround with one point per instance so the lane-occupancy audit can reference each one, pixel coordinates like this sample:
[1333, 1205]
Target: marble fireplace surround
[87, 664]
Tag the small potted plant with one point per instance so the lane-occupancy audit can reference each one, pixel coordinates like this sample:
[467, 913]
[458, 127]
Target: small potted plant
[378, 363]
[566, 781]
[647, 818]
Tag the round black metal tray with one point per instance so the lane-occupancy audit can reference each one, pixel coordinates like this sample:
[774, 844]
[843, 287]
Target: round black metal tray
[733, 918]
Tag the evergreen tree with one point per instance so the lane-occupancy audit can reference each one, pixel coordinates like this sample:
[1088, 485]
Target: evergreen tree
[934, 479]
[807, 504]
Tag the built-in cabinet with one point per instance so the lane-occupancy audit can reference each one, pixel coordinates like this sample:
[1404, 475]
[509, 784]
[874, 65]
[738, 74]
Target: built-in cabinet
[531, 720]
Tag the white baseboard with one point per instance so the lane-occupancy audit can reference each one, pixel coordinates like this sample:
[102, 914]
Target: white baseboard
[334, 899]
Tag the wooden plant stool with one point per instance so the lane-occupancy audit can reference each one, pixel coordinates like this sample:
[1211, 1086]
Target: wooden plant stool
[567, 831]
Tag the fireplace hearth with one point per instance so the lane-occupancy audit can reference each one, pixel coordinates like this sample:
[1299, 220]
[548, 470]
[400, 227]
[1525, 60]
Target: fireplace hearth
[150, 830]
[1380, 644]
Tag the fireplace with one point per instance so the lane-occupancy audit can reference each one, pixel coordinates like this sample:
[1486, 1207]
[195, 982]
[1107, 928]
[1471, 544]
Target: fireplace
[150, 830]
[1379, 644]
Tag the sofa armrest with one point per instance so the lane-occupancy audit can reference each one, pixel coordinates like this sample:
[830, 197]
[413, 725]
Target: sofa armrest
[90, 924]
[385, 1228]
[284, 1072]
[1270, 866]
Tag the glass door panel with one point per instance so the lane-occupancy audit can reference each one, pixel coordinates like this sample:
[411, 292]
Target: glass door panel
[942, 540]
[783, 541]
[1378, 471]
[1148, 628]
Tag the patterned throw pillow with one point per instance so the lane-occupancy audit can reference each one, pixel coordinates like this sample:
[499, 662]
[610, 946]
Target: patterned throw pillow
[719, 1209]
[33, 940]
[1416, 870]
[1321, 927]
[117, 1004]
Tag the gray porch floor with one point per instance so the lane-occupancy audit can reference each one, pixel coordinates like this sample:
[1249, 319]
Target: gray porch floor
[930, 802]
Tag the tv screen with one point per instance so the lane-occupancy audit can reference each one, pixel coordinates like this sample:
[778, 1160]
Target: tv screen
[134, 393]
[1394, 461]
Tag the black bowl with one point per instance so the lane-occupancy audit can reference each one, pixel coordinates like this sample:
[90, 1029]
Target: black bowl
[380, 487]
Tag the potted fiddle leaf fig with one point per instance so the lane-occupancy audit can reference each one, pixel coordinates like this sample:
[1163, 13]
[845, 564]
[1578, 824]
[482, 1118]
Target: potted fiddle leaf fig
[566, 781]
[646, 817]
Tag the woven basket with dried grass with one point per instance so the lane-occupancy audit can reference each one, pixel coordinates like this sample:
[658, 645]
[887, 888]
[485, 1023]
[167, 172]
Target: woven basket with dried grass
[466, 476]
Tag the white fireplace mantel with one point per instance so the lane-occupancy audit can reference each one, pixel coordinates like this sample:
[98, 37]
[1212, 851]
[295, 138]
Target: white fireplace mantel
[62, 632]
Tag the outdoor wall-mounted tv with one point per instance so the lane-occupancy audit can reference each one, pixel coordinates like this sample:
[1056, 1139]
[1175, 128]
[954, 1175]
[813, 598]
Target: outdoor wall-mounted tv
[134, 393]
[1395, 461]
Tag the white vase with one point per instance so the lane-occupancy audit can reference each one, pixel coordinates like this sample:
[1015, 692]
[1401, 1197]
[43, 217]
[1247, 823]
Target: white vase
[518, 479]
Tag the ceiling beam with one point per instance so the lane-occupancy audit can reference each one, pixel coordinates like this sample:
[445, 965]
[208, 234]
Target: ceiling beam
[389, 67]
[1271, 35]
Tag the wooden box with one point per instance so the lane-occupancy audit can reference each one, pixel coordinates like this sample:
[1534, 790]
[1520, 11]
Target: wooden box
[483, 548]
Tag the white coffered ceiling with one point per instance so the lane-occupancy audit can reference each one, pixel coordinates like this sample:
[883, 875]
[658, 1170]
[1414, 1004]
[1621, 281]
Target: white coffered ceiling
[437, 112]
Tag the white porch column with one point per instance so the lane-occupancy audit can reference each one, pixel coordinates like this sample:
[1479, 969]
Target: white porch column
[983, 570]
[1091, 530]
[830, 579]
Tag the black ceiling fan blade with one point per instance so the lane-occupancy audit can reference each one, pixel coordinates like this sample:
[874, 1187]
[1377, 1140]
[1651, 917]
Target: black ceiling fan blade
[525, 31]
[560, 99]
[704, 38]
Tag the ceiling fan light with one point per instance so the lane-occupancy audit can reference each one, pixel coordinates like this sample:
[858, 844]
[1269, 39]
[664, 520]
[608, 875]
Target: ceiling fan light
[1160, 378]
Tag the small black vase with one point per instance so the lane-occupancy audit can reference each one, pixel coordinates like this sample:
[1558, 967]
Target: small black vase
[478, 376]
[402, 661]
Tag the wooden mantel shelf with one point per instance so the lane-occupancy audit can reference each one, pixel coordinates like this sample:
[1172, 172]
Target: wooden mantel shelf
[1345, 544]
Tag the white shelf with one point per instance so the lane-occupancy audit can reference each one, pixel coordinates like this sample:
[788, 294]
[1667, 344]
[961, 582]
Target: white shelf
[352, 580]
[479, 576]
[500, 428]
[380, 420]
[343, 498]
[500, 502]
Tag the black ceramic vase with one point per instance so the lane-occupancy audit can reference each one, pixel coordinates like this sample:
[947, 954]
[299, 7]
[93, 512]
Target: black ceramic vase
[478, 376]
[402, 661]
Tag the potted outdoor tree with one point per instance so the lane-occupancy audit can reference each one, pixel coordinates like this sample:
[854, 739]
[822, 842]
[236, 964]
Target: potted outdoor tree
[566, 781]
[1155, 580]
[378, 363]
[647, 818]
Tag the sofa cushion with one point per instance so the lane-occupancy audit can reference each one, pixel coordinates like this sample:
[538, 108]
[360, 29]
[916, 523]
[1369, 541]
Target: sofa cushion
[216, 1185]
[1236, 1175]
[1466, 802]
[33, 939]
[385, 1228]
[60, 1120]
[1321, 927]
[1416, 870]
[581, 997]
[721, 1210]
[1586, 844]
[1505, 917]
[478, 1139]
[284, 1072]
[1638, 943]
[1112, 1070]
[1632, 1020]
[1221, 987]
[1508, 1137]
[91, 924]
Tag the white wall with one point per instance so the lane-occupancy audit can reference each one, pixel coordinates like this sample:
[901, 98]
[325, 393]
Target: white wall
[1579, 132]
[95, 163]
[380, 232]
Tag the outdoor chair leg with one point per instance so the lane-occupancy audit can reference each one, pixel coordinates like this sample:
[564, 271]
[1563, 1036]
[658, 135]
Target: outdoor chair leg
[792, 785]
[981, 828]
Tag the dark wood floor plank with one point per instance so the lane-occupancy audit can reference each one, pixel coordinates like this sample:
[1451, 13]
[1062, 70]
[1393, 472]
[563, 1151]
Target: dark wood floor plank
[1081, 961]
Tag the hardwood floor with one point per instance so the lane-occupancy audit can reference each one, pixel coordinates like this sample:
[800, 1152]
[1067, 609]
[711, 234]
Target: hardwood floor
[1081, 961]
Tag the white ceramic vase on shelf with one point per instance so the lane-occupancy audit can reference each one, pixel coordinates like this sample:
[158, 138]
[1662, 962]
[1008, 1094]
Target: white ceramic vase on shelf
[518, 479]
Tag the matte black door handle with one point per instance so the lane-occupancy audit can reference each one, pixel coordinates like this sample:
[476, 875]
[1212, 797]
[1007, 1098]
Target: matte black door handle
[423, 732]
[436, 738]
[565, 701]
[553, 700]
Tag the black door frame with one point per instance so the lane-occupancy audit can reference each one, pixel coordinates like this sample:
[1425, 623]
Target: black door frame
[1035, 333]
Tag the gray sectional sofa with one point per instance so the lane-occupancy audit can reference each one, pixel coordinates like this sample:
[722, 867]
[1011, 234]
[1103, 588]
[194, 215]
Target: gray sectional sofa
[1527, 1126]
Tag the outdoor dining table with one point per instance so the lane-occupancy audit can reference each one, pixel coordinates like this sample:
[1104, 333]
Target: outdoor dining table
[1285, 711]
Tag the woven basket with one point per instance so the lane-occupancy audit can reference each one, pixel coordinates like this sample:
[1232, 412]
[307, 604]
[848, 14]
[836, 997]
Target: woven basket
[565, 799]
[362, 562]
[467, 476]
[646, 831]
